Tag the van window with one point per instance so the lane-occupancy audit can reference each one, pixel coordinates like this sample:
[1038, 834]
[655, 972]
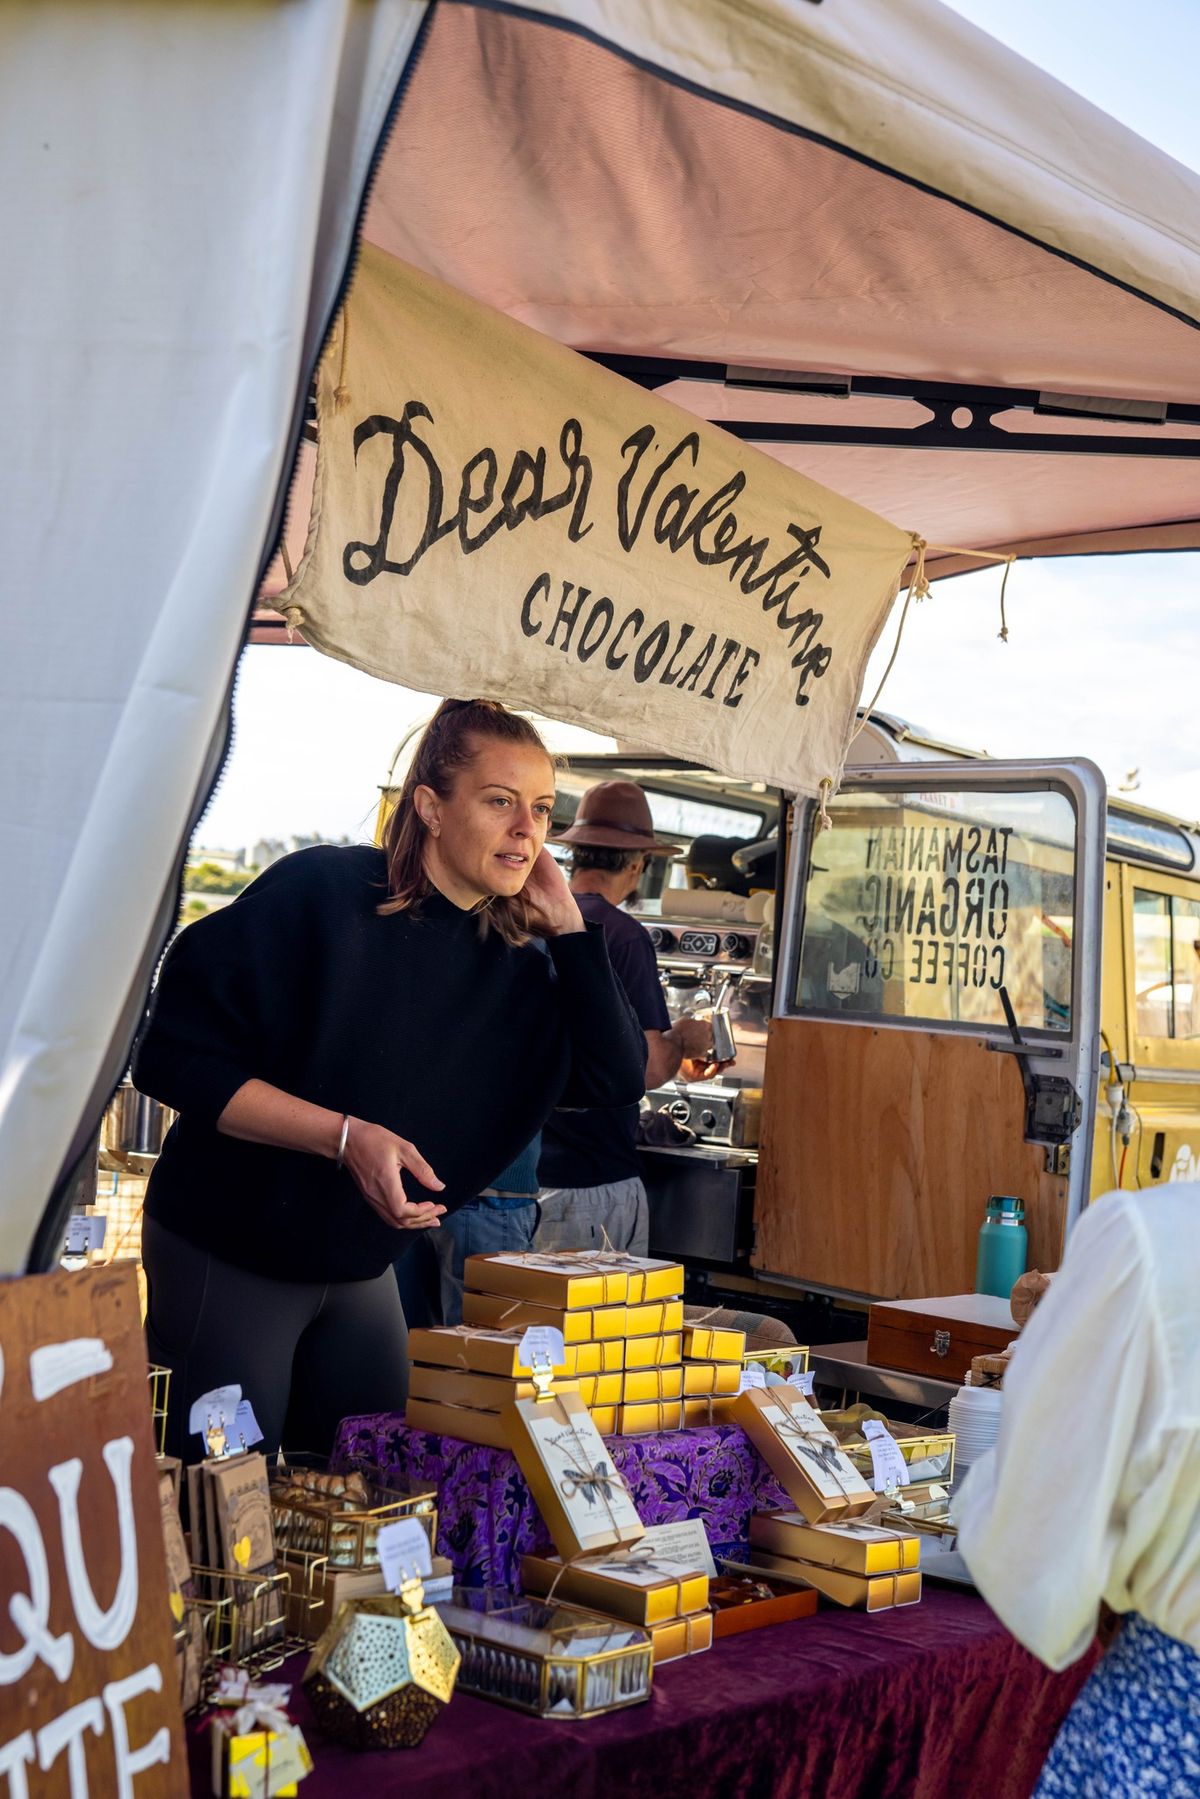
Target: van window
[1166, 964]
[924, 905]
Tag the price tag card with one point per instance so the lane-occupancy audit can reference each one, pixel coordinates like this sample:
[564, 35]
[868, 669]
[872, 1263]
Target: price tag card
[542, 1346]
[404, 1552]
[85, 1234]
[245, 1425]
[220, 1402]
[686, 1541]
[753, 1375]
[803, 1383]
[888, 1467]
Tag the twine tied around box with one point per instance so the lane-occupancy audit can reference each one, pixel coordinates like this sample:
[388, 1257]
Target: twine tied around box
[821, 1451]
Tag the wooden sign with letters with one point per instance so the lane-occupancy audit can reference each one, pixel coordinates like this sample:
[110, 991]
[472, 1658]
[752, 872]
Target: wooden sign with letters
[89, 1702]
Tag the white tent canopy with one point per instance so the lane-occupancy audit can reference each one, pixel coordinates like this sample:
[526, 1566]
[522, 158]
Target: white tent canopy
[873, 199]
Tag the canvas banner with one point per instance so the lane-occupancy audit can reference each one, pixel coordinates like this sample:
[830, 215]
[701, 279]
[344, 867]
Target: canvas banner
[493, 514]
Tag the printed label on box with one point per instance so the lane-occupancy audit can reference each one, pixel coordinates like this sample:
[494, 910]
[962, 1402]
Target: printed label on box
[640, 1570]
[596, 1500]
[684, 1541]
[815, 1449]
[888, 1466]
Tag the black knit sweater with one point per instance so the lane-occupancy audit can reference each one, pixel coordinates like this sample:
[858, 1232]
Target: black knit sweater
[417, 1021]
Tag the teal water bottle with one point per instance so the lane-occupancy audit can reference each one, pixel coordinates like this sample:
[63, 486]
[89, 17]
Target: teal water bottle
[1003, 1246]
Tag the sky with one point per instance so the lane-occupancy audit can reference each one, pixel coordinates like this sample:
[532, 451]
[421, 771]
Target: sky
[1102, 652]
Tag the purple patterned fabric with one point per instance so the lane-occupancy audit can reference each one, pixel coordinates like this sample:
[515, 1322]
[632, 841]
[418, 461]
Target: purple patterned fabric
[487, 1519]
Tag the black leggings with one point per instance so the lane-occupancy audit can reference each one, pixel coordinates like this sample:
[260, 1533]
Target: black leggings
[306, 1354]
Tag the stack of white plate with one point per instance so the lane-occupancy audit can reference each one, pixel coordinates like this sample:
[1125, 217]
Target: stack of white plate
[975, 1421]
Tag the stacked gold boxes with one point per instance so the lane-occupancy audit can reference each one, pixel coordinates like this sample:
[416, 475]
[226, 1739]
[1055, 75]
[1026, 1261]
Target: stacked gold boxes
[621, 1319]
[463, 1376]
[667, 1599]
[852, 1562]
[712, 1372]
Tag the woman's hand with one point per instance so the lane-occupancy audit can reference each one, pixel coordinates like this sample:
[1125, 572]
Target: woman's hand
[552, 902]
[374, 1157]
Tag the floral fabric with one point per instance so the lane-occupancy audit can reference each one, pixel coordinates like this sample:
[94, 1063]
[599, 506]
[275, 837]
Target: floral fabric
[487, 1519]
[1135, 1728]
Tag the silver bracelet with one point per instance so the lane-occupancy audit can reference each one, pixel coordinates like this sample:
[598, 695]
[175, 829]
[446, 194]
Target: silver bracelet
[342, 1140]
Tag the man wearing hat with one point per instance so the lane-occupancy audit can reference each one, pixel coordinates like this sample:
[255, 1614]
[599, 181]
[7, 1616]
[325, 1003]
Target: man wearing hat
[591, 1185]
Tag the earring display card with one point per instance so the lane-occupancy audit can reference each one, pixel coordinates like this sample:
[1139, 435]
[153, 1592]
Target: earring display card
[584, 1501]
[802, 1453]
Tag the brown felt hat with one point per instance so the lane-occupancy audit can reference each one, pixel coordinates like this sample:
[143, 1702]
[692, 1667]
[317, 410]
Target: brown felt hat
[614, 815]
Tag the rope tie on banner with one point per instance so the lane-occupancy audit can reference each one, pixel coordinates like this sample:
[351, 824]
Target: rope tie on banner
[341, 393]
[917, 589]
[294, 617]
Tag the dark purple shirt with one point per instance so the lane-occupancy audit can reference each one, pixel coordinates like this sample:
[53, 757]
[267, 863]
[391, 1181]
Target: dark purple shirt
[592, 1148]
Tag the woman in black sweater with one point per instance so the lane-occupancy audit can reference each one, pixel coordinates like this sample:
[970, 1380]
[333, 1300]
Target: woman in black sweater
[355, 1046]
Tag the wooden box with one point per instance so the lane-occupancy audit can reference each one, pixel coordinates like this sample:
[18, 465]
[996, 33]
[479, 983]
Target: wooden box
[938, 1336]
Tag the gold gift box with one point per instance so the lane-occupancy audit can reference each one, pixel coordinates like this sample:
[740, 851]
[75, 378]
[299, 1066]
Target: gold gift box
[555, 1661]
[486, 1392]
[637, 1588]
[802, 1453]
[604, 1417]
[641, 1384]
[650, 1279]
[584, 1501]
[469, 1424]
[650, 1416]
[698, 1413]
[855, 1547]
[243, 1765]
[700, 1378]
[478, 1351]
[652, 1352]
[556, 1281]
[599, 1390]
[496, 1310]
[861, 1592]
[340, 1515]
[599, 1358]
[713, 1343]
[654, 1317]
[677, 1637]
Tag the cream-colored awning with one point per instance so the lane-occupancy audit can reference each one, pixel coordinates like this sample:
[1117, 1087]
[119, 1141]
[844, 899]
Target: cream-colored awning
[960, 295]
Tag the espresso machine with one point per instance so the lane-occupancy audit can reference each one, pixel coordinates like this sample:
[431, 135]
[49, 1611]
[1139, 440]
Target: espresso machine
[700, 1137]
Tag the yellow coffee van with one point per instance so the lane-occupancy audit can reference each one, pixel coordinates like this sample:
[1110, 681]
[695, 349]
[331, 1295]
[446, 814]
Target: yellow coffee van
[983, 976]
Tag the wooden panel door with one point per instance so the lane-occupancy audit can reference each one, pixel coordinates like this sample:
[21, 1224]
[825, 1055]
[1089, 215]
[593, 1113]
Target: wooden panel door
[879, 1150]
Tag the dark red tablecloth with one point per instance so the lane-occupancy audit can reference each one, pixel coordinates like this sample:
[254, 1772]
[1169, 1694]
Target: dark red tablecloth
[935, 1701]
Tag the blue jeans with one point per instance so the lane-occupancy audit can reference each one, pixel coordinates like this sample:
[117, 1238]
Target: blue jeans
[430, 1274]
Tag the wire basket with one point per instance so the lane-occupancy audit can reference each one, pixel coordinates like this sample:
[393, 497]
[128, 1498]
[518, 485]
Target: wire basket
[160, 1387]
[344, 1528]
